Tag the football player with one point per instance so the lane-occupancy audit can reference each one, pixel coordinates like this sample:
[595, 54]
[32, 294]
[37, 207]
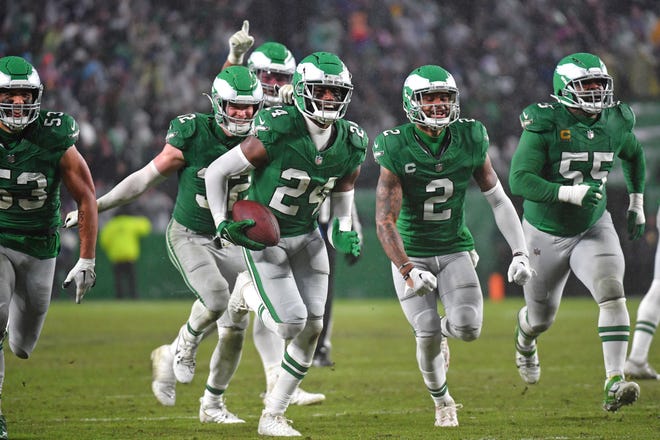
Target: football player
[426, 166]
[560, 168]
[208, 266]
[37, 154]
[299, 155]
[648, 316]
[274, 65]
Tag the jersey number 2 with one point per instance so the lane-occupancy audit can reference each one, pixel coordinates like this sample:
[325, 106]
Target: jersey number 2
[317, 195]
[429, 204]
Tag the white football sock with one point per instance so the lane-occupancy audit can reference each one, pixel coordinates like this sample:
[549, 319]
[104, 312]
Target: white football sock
[614, 329]
[225, 358]
[648, 317]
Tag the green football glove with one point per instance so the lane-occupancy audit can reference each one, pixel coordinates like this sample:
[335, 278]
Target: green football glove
[234, 232]
[346, 242]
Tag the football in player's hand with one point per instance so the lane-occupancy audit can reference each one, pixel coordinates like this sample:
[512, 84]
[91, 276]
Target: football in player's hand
[266, 229]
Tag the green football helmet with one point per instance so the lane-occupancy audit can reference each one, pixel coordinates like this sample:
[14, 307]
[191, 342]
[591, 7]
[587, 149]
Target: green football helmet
[236, 85]
[570, 77]
[273, 64]
[17, 74]
[322, 70]
[430, 79]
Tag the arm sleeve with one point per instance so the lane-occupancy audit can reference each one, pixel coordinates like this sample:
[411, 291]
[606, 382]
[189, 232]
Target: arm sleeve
[526, 170]
[131, 187]
[506, 218]
[342, 202]
[217, 174]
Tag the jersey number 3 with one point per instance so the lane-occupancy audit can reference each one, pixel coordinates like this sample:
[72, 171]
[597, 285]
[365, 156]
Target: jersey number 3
[38, 194]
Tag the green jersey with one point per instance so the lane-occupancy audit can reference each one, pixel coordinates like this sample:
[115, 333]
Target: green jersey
[201, 140]
[30, 183]
[557, 148]
[297, 178]
[432, 217]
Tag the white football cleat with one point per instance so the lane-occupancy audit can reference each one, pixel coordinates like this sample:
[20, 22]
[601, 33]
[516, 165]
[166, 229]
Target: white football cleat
[236, 307]
[445, 415]
[527, 361]
[163, 381]
[528, 365]
[304, 398]
[276, 426]
[640, 371]
[216, 412]
[184, 357]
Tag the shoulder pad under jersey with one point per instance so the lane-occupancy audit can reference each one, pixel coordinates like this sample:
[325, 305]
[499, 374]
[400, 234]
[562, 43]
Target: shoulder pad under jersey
[60, 129]
[475, 130]
[357, 136]
[184, 126]
[539, 117]
[627, 114]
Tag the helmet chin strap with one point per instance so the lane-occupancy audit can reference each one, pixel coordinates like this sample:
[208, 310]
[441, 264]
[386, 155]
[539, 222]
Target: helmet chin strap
[435, 131]
[235, 129]
[432, 131]
[7, 128]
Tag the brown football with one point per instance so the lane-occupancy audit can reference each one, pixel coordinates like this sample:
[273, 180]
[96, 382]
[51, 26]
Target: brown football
[266, 229]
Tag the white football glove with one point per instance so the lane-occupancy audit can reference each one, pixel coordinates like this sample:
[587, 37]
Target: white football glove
[519, 270]
[636, 218]
[474, 256]
[581, 194]
[71, 219]
[422, 281]
[286, 94]
[239, 43]
[83, 275]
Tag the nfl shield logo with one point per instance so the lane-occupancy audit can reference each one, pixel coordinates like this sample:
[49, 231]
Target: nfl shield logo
[318, 160]
[590, 134]
[438, 167]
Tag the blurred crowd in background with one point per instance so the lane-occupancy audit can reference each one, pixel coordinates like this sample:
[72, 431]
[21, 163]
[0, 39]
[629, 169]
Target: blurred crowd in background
[125, 68]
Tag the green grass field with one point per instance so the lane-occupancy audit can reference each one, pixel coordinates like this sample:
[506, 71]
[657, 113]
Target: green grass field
[90, 376]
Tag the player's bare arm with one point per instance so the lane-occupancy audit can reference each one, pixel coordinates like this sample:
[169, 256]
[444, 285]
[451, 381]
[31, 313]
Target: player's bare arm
[388, 206]
[347, 182]
[169, 160]
[78, 180]
[254, 151]
[485, 176]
